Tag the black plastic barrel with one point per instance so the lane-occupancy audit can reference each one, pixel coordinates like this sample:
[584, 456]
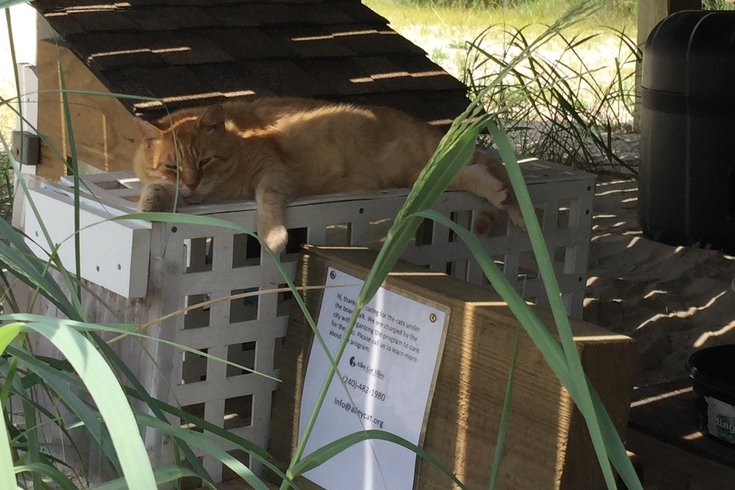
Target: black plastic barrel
[687, 172]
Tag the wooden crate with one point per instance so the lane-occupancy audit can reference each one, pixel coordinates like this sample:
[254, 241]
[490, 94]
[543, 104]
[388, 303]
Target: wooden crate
[547, 445]
[145, 272]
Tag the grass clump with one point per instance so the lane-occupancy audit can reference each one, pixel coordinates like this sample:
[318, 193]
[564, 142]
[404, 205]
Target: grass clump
[718, 5]
[572, 101]
[567, 103]
[474, 15]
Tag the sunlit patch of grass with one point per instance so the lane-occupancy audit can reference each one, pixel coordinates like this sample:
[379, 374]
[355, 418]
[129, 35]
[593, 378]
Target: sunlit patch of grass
[403, 14]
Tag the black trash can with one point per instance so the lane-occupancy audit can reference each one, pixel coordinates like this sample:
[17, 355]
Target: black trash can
[687, 172]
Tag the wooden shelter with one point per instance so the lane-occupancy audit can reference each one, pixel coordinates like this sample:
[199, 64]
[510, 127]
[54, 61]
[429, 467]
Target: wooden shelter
[168, 54]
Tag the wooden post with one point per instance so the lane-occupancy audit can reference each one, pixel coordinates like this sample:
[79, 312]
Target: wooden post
[652, 11]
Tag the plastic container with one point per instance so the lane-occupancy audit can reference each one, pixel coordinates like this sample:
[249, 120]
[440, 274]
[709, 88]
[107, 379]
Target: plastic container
[713, 372]
[687, 172]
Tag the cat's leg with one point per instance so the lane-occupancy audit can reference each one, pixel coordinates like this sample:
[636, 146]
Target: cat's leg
[478, 179]
[157, 196]
[272, 194]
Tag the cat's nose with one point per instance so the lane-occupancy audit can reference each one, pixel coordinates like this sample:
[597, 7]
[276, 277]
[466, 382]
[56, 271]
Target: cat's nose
[191, 185]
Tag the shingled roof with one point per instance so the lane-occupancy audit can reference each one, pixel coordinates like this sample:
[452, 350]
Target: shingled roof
[194, 52]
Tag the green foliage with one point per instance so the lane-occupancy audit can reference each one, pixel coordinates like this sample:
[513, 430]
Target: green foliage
[565, 104]
[532, 10]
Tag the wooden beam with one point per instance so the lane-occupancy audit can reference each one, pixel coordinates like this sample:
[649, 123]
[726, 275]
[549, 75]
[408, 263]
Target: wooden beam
[651, 12]
[104, 131]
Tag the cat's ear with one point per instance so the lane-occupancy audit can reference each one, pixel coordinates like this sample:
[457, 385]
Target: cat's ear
[213, 119]
[149, 132]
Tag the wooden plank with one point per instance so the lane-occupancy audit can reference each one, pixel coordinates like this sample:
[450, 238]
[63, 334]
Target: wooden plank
[546, 433]
[105, 132]
[115, 253]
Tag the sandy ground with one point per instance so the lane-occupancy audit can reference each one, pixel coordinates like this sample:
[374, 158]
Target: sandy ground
[672, 300]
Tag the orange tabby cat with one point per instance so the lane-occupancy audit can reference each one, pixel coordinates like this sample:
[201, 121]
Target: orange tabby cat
[277, 149]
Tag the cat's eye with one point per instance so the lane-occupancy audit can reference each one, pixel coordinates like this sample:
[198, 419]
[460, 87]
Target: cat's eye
[205, 161]
[171, 166]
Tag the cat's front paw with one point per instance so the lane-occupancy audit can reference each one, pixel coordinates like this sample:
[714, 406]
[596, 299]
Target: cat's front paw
[157, 196]
[276, 238]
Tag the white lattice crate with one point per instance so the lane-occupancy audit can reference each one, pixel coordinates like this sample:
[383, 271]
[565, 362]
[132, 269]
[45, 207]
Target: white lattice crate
[148, 271]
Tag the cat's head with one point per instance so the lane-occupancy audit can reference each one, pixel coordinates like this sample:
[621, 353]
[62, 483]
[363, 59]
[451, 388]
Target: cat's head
[191, 148]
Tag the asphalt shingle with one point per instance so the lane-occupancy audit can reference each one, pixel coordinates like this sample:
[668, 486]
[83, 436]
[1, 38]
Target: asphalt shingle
[193, 52]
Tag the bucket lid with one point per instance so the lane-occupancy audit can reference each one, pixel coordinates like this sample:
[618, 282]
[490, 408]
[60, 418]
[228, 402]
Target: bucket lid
[714, 367]
[691, 53]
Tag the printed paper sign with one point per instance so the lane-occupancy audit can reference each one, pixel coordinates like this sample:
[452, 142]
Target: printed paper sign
[388, 367]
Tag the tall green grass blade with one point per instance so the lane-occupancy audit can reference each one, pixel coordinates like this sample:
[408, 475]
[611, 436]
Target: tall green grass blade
[58, 375]
[71, 307]
[8, 333]
[208, 445]
[9, 376]
[25, 266]
[548, 277]
[25, 390]
[58, 381]
[8, 295]
[7, 475]
[74, 162]
[14, 61]
[504, 417]
[59, 479]
[330, 450]
[109, 398]
[163, 475]
[150, 402]
[251, 448]
[129, 329]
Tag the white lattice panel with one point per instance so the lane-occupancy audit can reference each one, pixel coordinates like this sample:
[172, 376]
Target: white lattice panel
[190, 265]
